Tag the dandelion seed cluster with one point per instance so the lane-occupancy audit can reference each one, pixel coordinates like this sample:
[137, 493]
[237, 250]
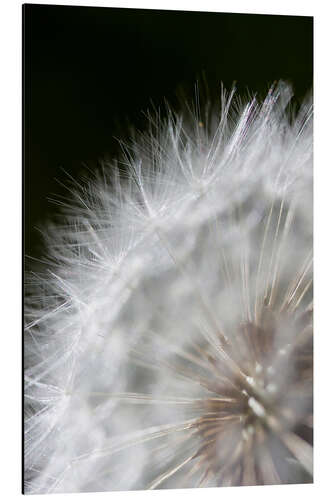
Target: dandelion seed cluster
[169, 341]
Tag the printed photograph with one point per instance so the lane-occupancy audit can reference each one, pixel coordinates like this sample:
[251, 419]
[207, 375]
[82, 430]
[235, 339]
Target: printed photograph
[168, 249]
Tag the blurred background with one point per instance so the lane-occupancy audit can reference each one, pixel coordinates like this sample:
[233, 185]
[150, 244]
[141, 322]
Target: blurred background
[90, 73]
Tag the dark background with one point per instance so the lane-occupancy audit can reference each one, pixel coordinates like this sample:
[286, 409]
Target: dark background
[89, 72]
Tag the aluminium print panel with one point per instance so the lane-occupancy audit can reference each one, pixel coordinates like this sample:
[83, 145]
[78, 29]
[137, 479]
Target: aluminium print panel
[168, 298]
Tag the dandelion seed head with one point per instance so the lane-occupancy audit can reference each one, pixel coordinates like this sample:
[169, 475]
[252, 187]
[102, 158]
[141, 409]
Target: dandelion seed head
[169, 343]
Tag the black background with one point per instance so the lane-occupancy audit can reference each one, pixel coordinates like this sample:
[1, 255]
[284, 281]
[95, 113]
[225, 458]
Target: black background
[88, 72]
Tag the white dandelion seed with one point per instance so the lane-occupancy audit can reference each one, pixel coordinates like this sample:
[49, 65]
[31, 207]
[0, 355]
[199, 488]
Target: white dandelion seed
[169, 342]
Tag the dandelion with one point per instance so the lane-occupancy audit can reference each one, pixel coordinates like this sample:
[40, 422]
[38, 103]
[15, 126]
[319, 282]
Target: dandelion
[169, 341]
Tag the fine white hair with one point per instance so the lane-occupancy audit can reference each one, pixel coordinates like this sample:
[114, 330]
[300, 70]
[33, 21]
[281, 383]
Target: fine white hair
[168, 340]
